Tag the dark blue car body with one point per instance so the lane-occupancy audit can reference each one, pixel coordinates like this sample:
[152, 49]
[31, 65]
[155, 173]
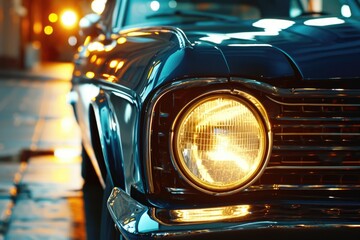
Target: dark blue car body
[300, 75]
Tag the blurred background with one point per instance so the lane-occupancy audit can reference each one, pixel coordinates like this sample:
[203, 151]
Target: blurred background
[40, 146]
[34, 31]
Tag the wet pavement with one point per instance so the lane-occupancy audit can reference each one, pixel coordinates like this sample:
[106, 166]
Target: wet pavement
[34, 113]
[40, 180]
[44, 200]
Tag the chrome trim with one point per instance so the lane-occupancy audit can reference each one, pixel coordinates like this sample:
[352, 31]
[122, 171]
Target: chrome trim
[318, 187]
[262, 115]
[318, 148]
[179, 191]
[318, 134]
[135, 220]
[332, 119]
[315, 104]
[295, 92]
[192, 82]
[179, 33]
[310, 187]
[316, 167]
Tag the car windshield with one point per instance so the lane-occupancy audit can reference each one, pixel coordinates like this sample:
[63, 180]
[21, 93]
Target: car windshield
[182, 11]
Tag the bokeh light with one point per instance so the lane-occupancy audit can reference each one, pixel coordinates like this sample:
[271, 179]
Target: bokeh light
[155, 6]
[346, 11]
[48, 30]
[98, 6]
[69, 18]
[37, 27]
[53, 17]
[72, 40]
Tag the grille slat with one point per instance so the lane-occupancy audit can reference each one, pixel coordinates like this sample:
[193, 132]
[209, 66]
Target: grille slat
[316, 141]
[316, 131]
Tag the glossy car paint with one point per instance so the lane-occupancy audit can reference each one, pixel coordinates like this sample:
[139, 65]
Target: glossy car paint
[169, 54]
[118, 78]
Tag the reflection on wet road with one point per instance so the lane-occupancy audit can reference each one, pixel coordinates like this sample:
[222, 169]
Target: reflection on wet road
[48, 203]
[34, 114]
[40, 180]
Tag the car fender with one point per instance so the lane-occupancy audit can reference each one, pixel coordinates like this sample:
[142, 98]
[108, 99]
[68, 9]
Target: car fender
[108, 150]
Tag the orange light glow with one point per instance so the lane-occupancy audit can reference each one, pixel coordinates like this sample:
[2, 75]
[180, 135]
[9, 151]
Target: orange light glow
[121, 40]
[66, 155]
[48, 30]
[53, 17]
[37, 27]
[77, 73]
[13, 191]
[69, 18]
[99, 61]
[120, 65]
[117, 64]
[113, 63]
[210, 214]
[90, 74]
[93, 58]
[139, 34]
[109, 78]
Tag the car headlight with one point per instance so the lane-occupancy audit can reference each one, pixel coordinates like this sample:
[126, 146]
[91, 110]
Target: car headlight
[220, 143]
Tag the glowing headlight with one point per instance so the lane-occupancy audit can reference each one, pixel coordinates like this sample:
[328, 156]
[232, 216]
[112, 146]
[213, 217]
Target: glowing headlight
[220, 143]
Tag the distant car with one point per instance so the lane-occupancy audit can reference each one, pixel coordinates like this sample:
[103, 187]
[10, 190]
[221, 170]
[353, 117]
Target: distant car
[210, 119]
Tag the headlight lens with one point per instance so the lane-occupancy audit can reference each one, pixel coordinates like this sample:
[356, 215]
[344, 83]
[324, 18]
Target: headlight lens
[220, 143]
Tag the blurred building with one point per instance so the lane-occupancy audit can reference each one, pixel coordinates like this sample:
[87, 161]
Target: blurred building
[39, 30]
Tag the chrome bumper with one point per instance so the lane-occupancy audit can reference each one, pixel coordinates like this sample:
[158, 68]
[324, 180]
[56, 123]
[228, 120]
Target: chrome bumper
[136, 221]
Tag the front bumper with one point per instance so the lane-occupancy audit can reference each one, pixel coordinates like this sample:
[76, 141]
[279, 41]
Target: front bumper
[285, 219]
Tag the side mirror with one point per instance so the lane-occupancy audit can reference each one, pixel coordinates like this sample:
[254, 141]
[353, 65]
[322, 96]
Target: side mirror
[90, 25]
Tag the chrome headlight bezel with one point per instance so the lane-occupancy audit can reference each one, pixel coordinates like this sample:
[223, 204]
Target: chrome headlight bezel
[256, 108]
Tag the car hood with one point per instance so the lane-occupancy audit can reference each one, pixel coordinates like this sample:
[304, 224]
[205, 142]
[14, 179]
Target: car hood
[324, 48]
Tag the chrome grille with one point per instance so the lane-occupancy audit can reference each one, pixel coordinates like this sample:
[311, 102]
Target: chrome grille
[316, 139]
[316, 142]
[316, 132]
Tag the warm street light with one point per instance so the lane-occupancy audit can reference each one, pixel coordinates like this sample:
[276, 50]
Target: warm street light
[98, 6]
[48, 30]
[53, 17]
[69, 18]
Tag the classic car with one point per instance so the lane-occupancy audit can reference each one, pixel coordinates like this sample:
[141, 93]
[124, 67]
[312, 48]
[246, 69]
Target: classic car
[209, 119]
